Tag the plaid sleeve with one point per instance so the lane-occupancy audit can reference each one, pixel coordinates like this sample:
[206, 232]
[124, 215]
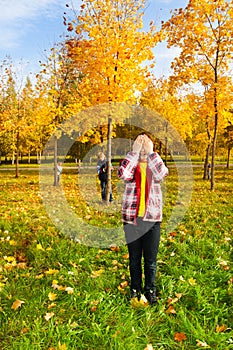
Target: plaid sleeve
[127, 166]
[157, 166]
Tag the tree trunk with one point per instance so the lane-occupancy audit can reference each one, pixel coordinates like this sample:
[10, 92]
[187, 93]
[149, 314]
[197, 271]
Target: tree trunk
[212, 180]
[55, 162]
[228, 157]
[160, 147]
[166, 142]
[205, 175]
[109, 156]
[38, 157]
[206, 170]
[17, 156]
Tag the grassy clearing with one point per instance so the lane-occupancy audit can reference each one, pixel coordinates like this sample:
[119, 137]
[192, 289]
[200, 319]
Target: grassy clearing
[70, 295]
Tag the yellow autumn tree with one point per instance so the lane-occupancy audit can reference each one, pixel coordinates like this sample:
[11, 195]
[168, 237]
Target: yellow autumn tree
[16, 106]
[58, 85]
[203, 31]
[174, 108]
[109, 47]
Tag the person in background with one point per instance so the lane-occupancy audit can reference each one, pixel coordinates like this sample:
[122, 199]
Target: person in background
[102, 172]
[208, 170]
[59, 171]
[142, 170]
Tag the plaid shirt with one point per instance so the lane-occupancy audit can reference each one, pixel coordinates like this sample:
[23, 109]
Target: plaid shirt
[127, 171]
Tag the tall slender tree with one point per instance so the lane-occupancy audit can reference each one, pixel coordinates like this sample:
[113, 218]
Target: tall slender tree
[16, 97]
[58, 80]
[109, 47]
[203, 31]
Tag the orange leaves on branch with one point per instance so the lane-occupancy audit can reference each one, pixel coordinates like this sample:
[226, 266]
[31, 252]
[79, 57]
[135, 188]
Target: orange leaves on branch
[70, 27]
[111, 57]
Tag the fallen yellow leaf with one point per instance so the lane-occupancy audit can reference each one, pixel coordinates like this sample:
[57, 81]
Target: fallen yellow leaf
[124, 284]
[48, 315]
[97, 273]
[39, 247]
[93, 309]
[24, 330]
[180, 336]
[52, 296]
[51, 272]
[202, 344]
[171, 310]
[22, 265]
[172, 301]
[52, 305]
[69, 290]
[192, 281]
[114, 248]
[16, 304]
[135, 303]
[220, 329]
[149, 347]
[125, 256]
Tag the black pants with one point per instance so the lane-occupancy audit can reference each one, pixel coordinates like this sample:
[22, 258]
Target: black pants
[142, 241]
[103, 184]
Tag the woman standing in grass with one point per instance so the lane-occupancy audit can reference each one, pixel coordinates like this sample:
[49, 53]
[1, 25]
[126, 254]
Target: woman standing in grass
[142, 170]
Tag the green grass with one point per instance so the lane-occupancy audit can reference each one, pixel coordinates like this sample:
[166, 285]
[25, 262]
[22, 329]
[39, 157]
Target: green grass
[90, 312]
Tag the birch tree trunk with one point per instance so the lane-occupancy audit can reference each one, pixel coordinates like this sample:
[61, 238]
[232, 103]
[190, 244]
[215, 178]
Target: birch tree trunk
[109, 156]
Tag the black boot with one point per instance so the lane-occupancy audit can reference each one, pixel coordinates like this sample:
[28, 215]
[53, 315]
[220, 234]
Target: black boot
[151, 296]
[135, 294]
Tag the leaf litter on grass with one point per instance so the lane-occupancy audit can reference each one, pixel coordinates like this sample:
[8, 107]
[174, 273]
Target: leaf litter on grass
[194, 279]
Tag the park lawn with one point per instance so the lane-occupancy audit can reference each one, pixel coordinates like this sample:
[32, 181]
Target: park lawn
[59, 294]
